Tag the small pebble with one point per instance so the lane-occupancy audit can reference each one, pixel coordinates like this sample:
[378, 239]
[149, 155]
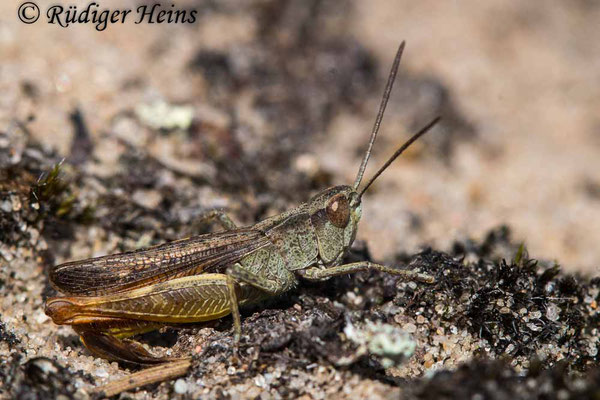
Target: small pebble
[534, 327]
[6, 206]
[410, 328]
[260, 381]
[552, 312]
[180, 386]
[101, 373]
[40, 317]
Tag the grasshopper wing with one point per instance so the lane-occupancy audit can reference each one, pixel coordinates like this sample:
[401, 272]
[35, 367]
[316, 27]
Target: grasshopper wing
[118, 272]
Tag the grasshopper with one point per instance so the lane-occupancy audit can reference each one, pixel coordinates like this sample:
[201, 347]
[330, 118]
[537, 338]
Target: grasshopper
[206, 277]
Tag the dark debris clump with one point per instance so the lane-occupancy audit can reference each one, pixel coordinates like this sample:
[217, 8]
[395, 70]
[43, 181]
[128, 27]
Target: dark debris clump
[7, 336]
[496, 379]
[521, 308]
[43, 378]
[302, 337]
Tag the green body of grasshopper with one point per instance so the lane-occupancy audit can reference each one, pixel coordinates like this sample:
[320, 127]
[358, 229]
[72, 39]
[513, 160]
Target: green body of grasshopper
[209, 276]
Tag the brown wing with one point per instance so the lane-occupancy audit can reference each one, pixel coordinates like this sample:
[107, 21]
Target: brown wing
[119, 272]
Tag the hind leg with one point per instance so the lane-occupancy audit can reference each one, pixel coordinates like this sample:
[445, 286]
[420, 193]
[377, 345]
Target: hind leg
[106, 339]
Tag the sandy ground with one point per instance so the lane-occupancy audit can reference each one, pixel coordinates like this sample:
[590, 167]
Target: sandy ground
[282, 101]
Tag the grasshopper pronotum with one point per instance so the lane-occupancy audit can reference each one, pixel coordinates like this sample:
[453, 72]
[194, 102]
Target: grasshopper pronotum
[209, 276]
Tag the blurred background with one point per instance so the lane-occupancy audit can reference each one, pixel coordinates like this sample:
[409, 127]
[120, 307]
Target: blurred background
[258, 104]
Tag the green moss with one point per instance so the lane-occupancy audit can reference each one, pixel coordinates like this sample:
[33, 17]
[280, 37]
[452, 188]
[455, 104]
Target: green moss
[50, 187]
[53, 196]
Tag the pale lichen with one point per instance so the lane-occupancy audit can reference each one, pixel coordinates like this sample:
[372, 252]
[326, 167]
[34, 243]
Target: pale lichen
[389, 343]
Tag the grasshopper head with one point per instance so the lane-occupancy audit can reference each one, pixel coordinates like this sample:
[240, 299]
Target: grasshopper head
[335, 212]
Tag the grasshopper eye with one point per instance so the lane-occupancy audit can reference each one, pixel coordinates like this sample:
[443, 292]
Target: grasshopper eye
[338, 210]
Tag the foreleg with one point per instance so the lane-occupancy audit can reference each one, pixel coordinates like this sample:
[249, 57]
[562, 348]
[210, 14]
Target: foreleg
[318, 274]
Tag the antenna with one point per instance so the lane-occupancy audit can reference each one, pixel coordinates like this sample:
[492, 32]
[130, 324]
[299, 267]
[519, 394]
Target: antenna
[384, 101]
[406, 144]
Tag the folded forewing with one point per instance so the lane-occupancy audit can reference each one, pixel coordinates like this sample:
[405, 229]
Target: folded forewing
[118, 272]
